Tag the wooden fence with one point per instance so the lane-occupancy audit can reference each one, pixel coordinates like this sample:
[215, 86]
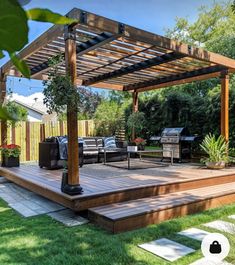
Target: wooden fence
[29, 134]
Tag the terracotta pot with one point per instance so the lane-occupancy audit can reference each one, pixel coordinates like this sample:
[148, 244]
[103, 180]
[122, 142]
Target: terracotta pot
[215, 165]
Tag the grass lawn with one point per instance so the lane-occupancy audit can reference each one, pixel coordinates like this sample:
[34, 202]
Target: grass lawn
[41, 240]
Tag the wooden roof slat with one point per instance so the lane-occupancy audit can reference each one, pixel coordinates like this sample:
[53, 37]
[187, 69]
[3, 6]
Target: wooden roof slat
[136, 67]
[81, 49]
[118, 60]
[110, 52]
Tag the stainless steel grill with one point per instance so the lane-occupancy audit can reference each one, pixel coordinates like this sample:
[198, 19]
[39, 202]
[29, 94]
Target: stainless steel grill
[178, 140]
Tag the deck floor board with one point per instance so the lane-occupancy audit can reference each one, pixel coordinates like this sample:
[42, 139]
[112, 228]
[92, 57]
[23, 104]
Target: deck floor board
[105, 184]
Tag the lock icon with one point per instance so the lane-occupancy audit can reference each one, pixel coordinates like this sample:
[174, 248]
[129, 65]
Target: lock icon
[215, 247]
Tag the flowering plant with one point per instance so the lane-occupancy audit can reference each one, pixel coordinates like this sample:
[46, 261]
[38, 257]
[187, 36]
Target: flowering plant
[140, 141]
[10, 150]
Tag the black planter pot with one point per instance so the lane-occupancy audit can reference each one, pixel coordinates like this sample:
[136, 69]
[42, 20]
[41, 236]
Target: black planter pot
[10, 161]
[141, 147]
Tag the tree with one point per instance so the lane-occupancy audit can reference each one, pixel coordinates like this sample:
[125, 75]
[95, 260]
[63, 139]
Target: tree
[119, 96]
[108, 118]
[20, 113]
[214, 29]
[59, 93]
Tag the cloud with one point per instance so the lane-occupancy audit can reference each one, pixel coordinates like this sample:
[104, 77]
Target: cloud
[29, 100]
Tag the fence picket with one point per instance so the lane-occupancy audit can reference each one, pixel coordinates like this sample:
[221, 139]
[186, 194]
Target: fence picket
[28, 135]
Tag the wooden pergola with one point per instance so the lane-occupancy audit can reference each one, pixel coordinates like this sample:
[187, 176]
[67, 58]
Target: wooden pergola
[104, 53]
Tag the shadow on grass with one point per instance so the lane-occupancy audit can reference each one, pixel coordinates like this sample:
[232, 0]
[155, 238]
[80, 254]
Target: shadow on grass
[41, 240]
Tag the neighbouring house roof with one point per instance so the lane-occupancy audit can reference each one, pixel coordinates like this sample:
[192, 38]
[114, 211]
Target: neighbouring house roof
[35, 107]
[117, 56]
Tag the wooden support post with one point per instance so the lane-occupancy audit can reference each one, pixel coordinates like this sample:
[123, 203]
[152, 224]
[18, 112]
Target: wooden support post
[72, 186]
[2, 99]
[135, 108]
[224, 120]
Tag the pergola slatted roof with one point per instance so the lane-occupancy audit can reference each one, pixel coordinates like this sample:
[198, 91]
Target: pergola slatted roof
[117, 56]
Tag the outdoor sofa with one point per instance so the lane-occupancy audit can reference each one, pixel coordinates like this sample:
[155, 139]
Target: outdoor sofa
[53, 151]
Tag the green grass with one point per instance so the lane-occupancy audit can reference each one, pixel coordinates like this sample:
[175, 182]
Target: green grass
[43, 241]
[153, 147]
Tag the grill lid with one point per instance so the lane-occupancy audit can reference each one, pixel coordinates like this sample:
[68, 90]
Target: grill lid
[174, 132]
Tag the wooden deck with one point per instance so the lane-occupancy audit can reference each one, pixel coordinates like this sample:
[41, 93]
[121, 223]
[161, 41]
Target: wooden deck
[112, 195]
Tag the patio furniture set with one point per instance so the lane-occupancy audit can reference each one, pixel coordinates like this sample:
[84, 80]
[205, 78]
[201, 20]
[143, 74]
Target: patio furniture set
[53, 152]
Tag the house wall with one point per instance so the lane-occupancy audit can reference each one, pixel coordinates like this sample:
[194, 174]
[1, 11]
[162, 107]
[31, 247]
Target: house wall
[34, 116]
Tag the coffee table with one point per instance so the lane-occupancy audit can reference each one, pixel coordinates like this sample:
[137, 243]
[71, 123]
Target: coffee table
[142, 152]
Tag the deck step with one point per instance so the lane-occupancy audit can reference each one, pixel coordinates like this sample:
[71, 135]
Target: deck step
[133, 214]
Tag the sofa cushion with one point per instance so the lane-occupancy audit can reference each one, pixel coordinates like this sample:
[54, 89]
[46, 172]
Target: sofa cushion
[90, 152]
[100, 142]
[89, 142]
[110, 142]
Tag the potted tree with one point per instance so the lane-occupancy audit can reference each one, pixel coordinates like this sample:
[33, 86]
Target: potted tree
[217, 151]
[10, 155]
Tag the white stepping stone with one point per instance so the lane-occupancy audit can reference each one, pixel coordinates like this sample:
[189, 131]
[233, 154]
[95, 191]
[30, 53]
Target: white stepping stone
[167, 249]
[231, 216]
[194, 233]
[222, 226]
[68, 218]
[205, 261]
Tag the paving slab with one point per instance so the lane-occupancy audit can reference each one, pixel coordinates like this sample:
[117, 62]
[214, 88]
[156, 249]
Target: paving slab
[205, 261]
[68, 217]
[25, 202]
[222, 226]
[167, 249]
[194, 233]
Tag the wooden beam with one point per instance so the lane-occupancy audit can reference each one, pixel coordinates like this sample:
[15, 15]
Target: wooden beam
[108, 86]
[72, 123]
[104, 24]
[180, 82]
[175, 79]
[90, 20]
[2, 99]
[225, 105]
[135, 107]
[158, 60]
[188, 50]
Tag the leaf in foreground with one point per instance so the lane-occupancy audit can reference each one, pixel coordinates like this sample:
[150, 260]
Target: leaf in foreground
[1, 54]
[20, 65]
[46, 15]
[13, 26]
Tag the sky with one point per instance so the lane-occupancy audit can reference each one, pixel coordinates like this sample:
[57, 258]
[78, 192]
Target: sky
[151, 15]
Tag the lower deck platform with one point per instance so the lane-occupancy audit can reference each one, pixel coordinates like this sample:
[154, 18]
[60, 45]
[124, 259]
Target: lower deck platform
[103, 184]
[108, 186]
